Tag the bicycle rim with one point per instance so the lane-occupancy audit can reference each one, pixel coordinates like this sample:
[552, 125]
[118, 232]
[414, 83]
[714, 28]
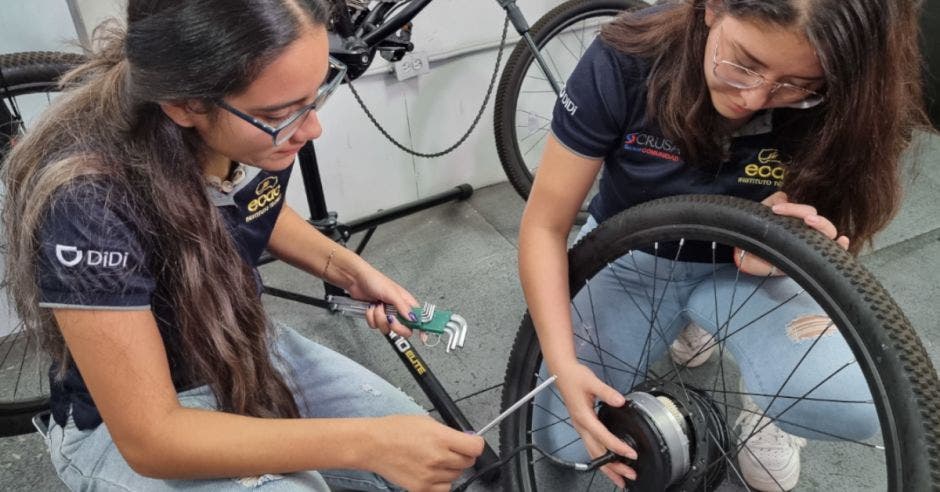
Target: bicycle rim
[902, 454]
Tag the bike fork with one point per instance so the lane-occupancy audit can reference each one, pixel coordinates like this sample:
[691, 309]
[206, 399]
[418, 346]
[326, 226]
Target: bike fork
[442, 401]
[522, 27]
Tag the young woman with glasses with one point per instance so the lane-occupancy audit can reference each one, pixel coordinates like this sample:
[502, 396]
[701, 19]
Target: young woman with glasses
[136, 210]
[803, 105]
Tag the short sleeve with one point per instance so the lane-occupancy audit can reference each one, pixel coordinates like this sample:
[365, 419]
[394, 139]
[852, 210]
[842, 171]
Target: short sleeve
[592, 110]
[90, 253]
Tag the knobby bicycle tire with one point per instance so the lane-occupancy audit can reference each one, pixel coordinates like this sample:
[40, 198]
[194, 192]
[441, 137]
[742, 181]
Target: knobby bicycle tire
[24, 74]
[510, 84]
[900, 376]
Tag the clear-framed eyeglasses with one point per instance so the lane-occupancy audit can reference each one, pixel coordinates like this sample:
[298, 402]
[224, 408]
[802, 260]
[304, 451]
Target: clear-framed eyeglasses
[283, 130]
[787, 95]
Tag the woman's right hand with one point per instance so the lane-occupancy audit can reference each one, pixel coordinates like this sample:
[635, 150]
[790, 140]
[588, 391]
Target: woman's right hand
[579, 388]
[420, 454]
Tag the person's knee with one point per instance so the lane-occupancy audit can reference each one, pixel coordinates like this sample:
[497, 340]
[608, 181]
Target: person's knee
[809, 327]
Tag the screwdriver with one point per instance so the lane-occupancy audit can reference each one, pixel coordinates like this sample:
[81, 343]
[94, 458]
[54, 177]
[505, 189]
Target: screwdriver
[516, 405]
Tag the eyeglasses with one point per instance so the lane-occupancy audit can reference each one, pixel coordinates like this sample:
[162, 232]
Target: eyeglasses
[282, 131]
[787, 95]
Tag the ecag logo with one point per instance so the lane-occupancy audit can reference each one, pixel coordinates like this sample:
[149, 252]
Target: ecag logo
[769, 169]
[268, 192]
[769, 156]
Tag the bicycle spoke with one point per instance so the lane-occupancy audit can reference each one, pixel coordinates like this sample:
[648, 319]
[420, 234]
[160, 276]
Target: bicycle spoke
[530, 113]
[535, 144]
[536, 77]
[570, 52]
[793, 371]
[731, 463]
[537, 130]
[558, 419]
[597, 336]
[592, 362]
[555, 65]
[811, 429]
[791, 397]
[736, 449]
[582, 322]
[746, 325]
[655, 319]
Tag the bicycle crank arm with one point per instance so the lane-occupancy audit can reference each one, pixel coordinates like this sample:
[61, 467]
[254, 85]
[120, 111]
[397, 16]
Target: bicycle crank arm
[429, 318]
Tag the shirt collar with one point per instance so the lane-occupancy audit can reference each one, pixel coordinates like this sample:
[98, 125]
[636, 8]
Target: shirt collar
[221, 199]
[760, 124]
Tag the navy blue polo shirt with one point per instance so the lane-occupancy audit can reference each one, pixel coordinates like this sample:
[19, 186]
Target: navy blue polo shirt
[94, 254]
[601, 114]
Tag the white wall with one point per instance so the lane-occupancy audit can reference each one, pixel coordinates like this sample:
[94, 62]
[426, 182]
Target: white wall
[33, 25]
[361, 171]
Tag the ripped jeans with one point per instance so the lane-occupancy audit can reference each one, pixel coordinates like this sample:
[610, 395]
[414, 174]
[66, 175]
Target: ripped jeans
[772, 325]
[327, 385]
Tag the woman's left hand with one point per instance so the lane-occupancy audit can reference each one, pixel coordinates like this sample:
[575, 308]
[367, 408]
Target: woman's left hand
[371, 285]
[780, 204]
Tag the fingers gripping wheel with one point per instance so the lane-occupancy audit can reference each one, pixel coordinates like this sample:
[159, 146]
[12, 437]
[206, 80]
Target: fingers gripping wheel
[676, 433]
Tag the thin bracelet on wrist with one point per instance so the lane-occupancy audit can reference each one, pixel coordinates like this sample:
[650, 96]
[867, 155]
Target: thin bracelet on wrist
[329, 259]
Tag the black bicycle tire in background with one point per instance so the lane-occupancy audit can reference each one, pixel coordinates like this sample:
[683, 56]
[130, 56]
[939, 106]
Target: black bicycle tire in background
[900, 375]
[521, 62]
[32, 72]
[24, 74]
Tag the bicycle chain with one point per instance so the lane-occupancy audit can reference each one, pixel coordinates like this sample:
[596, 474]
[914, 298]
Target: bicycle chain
[476, 120]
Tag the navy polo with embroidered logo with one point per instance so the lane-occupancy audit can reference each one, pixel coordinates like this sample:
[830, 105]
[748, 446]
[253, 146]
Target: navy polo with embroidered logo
[601, 114]
[95, 254]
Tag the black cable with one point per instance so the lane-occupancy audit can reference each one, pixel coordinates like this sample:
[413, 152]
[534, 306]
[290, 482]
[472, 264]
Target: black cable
[486, 100]
[583, 467]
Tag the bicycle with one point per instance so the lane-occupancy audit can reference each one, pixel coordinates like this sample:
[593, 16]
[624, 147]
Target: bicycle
[906, 392]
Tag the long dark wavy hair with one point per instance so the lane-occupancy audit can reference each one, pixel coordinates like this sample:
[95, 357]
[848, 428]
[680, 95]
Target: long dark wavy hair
[108, 128]
[849, 159]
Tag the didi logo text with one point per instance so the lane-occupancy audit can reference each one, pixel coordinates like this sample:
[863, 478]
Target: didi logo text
[71, 256]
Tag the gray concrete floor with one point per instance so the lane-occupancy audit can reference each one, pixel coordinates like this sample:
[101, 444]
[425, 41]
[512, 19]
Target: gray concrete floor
[463, 256]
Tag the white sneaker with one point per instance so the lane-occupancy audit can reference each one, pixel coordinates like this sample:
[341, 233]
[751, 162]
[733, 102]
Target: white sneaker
[770, 461]
[688, 348]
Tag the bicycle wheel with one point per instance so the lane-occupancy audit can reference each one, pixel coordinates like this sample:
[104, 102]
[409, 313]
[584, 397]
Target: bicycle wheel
[525, 98]
[899, 454]
[27, 85]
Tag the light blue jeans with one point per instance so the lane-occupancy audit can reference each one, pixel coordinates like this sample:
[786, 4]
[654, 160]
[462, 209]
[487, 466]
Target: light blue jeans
[327, 385]
[616, 309]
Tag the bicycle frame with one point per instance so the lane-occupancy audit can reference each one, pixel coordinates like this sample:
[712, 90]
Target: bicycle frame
[355, 42]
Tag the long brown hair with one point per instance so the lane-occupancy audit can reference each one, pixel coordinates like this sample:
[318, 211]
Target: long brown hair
[108, 129]
[849, 158]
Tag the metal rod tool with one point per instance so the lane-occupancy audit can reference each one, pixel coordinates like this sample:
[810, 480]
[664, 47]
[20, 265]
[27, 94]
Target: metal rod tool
[515, 406]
